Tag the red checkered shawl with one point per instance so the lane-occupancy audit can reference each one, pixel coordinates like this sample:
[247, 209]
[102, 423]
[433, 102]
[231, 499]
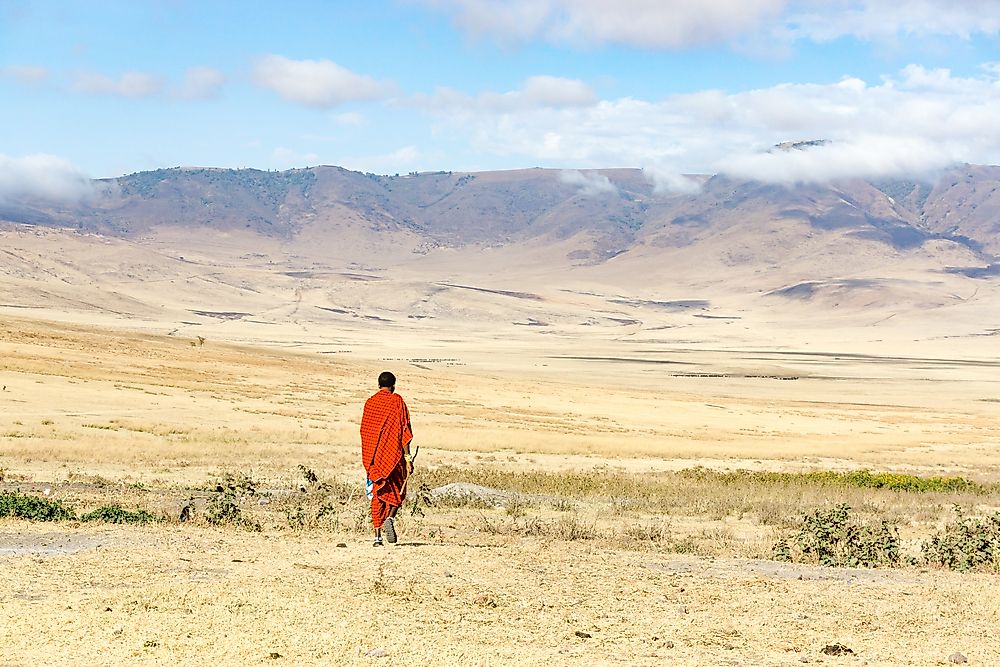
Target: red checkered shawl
[385, 431]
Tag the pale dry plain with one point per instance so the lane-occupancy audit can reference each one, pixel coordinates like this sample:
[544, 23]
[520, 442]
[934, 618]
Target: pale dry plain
[561, 574]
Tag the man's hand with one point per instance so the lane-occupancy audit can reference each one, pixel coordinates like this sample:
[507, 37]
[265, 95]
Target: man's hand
[409, 466]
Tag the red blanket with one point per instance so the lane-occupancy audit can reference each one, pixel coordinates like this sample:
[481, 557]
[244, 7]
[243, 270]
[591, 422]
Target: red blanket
[385, 431]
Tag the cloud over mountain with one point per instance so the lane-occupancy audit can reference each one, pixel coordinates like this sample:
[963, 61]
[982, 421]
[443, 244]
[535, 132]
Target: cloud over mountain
[591, 185]
[44, 176]
[917, 121]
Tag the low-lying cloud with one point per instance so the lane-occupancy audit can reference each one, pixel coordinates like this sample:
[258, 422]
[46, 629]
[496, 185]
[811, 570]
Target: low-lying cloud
[912, 123]
[589, 184]
[316, 83]
[871, 157]
[666, 181]
[42, 176]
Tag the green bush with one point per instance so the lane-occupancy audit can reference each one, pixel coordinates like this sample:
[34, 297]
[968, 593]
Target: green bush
[224, 509]
[831, 537]
[966, 544]
[118, 514]
[17, 505]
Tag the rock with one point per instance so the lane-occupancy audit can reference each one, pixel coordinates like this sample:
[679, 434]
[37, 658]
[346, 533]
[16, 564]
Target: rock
[836, 649]
[273, 655]
[957, 659]
[583, 635]
[376, 653]
[342, 545]
[485, 600]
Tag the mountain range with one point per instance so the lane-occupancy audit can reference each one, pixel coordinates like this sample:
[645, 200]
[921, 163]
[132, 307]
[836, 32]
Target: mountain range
[600, 246]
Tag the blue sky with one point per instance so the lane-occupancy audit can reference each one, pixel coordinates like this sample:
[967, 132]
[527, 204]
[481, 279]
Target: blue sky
[101, 89]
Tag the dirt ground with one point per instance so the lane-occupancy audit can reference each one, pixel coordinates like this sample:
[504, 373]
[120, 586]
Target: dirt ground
[194, 595]
[100, 415]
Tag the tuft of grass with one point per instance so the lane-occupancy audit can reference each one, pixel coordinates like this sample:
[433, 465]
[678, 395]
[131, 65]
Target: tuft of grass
[118, 514]
[861, 479]
[17, 505]
[566, 528]
[322, 504]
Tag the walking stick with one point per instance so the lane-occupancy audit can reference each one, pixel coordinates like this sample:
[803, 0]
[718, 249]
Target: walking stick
[407, 469]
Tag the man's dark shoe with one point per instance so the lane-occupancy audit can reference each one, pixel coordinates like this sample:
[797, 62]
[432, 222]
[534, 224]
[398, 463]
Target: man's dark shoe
[389, 530]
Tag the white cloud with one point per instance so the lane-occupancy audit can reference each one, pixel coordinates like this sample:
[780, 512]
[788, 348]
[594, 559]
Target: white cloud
[285, 158]
[554, 91]
[864, 157]
[350, 119]
[403, 159]
[45, 176]
[536, 92]
[665, 181]
[201, 83]
[646, 23]
[129, 84]
[916, 121]
[672, 24]
[825, 20]
[28, 74]
[590, 185]
[315, 83]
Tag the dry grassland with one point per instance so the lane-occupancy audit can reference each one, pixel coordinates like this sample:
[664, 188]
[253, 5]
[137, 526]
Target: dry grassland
[597, 545]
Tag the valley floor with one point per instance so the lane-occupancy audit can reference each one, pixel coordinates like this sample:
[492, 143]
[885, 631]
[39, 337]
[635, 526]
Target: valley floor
[613, 535]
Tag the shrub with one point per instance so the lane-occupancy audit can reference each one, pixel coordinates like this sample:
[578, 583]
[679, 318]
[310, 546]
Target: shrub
[17, 505]
[831, 537]
[224, 509]
[965, 544]
[118, 514]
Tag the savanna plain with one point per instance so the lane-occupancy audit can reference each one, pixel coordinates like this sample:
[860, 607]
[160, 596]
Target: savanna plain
[682, 507]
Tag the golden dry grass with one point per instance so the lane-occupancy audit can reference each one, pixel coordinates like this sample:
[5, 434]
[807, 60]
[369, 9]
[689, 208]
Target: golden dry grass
[588, 543]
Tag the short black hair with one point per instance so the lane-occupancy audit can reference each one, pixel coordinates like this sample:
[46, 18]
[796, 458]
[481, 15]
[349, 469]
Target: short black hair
[386, 379]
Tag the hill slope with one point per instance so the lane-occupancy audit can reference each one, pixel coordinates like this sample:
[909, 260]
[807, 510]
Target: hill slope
[593, 253]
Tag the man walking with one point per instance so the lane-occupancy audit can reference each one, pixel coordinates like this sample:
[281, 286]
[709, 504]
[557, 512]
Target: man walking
[385, 453]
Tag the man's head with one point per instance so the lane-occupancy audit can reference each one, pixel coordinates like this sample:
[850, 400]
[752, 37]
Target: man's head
[387, 380]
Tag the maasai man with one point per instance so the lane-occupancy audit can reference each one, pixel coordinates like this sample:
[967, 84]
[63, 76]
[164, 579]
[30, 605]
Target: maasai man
[385, 453]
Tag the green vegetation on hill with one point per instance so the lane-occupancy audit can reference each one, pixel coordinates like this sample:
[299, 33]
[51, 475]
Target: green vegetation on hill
[268, 187]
